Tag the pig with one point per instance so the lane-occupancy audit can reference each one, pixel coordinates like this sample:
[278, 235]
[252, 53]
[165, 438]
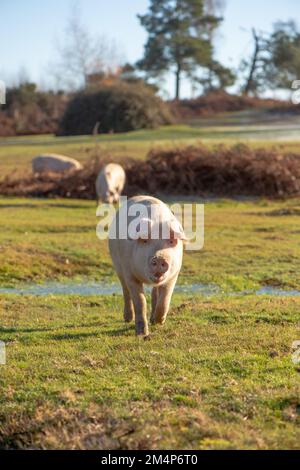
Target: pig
[146, 250]
[53, 163]
[110, 183]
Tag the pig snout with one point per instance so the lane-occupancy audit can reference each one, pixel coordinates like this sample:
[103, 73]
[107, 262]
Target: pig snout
[158, 267]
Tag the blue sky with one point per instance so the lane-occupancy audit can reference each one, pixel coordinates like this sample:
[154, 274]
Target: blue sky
[30, 28]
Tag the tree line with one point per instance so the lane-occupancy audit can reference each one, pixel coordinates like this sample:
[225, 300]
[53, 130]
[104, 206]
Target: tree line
[181, 40]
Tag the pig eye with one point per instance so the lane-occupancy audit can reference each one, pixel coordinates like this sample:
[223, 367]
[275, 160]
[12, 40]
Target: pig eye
[173, 242]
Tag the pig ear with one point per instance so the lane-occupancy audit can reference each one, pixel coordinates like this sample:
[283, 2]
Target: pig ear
[177, 232]
[143, 230]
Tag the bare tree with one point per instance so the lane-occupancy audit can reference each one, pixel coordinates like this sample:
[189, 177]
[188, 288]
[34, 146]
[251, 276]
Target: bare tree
[80, 54]
[254, 64]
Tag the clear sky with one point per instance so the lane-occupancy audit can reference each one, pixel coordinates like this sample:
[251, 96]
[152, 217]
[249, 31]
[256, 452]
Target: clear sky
[29, 30]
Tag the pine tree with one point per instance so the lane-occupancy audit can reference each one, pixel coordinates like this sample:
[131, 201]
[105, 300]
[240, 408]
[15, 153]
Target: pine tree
[179, 38]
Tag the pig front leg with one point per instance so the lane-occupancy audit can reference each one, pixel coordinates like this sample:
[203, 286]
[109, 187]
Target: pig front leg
[140, 307]
[162, 297]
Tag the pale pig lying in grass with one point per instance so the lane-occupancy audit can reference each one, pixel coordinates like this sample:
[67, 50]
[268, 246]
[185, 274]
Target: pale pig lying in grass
[53, 163]
[110, 183]
[150, 252]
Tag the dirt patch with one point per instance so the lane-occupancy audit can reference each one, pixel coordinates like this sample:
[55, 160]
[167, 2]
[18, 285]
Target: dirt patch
[195, 170]
[273, 282]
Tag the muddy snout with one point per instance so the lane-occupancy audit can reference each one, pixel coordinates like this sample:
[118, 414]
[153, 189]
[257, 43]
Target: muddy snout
[158, 267]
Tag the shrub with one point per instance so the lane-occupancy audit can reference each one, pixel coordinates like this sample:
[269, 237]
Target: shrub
[217, 102]
[30, 111]
[120, 107]
[219, 171]
[7, 126]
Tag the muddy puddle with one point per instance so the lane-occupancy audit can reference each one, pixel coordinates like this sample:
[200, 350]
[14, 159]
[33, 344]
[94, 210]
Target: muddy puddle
[100, 288]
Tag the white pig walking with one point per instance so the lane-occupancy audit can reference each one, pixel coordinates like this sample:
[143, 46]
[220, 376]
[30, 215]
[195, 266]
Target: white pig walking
[146, 246]
[110, 183]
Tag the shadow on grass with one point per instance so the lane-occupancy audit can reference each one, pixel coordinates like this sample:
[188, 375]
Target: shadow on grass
[71, 336]
[44, 204]
[54, 328]
[119, 331]
[122, 331]
[18, 206]
[67, 206]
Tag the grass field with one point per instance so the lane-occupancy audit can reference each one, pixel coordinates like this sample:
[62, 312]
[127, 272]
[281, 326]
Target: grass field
[218, 375]
[16, 153]
[247, 244]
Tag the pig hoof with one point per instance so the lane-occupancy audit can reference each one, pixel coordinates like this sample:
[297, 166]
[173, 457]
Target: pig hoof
[147, 338]
[158, 321]
[128, 317]
[142, 332]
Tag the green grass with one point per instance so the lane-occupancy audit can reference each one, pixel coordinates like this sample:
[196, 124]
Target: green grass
[247, 244]
[218, 375]
[16, 153]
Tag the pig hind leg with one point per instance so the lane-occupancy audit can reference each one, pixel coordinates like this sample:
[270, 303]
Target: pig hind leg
[128, 303]
[154, 298]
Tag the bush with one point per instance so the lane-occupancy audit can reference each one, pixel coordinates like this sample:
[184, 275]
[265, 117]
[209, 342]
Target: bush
[217, 102]
[7, 126]
[218, 171]
[30, 111]
[120, 107]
